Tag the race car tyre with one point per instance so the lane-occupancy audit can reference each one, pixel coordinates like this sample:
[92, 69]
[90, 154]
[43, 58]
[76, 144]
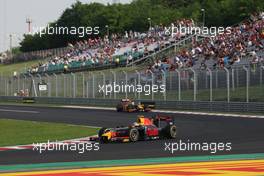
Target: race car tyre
[119, 108]
[173, 131]
[133, 135]
[101, 132]
[104, 139]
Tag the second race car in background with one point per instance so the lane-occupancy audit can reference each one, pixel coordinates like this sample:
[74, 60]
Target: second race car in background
[127, 105]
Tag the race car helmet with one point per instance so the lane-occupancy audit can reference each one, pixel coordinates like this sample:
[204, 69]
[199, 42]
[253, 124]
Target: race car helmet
[144, 121]
[140, 120]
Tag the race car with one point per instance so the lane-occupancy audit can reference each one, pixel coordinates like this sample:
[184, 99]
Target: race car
[144, 129]
[127, 105]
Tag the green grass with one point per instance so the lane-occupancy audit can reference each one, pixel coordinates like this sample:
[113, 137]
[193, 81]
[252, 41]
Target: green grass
[18, 132]
[8, 70]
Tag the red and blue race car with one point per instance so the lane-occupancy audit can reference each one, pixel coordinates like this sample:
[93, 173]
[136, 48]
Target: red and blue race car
[144, 129]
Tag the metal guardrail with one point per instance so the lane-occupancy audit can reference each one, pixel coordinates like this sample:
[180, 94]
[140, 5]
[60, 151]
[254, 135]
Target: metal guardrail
[250, 107]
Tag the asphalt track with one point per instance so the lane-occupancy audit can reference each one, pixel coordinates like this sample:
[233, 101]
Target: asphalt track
[245, 134]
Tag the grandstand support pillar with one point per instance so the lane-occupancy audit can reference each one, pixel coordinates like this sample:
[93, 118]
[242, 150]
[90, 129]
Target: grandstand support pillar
[125, 73]
[247, 83]
[227, 83]
[138, 83]
[102, 73]
[164, 83]
[114, 74]
[233, 79]
[49, 85]
[194, 84]
[211, 83]
[73, 85]
[56, 84]
[179, 84]
[40, 80]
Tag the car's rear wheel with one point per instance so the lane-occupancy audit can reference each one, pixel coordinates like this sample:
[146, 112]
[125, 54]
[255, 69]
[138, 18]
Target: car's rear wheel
[172, 131]
[133, 135]
[119, 108]
[103, 139]
[101, 132]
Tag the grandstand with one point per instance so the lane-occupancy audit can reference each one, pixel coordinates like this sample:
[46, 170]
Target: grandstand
[109, 51]
[245, 41]
[192, 67]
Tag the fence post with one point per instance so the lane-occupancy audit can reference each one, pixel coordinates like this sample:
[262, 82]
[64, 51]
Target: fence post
[87, 89]
[247, 83]
[211, 84]
[261, 74]
[139, 80]
[102, 73]
[2, 83]
[93, 79]
[114, 74]
[18, 83]
[216, 79]
[164, 83]
[24, 80]
[83, 84]
[56, 84]
[125, 73]
[33, 84]
[64, 85]
[49, 85]
[170, 77]
[74, 85]
[40, 80]
[6, 86]
[228, 84]
[152, 82]
[179, 84]
[233, 79]
[194, 84]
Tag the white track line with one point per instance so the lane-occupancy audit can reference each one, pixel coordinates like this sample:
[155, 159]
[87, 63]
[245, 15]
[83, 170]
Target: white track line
[174, 112]
[29, 146]
[18, 111]
[89, 107]
[210, 114]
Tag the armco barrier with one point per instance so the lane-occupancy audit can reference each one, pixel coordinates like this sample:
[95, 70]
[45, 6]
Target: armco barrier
[215, 106]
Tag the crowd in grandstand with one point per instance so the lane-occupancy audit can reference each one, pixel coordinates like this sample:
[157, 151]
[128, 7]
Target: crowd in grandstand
[223, 50]
[112, 49]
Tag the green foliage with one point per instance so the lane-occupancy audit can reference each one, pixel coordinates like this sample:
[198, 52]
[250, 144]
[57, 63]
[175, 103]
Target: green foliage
[134, 16]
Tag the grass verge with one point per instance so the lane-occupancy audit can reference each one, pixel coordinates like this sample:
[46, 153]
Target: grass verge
[18, 132]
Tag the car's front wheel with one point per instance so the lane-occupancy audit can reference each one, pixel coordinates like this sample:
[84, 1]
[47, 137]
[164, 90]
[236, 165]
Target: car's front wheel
[133, 135]
[172, 131]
